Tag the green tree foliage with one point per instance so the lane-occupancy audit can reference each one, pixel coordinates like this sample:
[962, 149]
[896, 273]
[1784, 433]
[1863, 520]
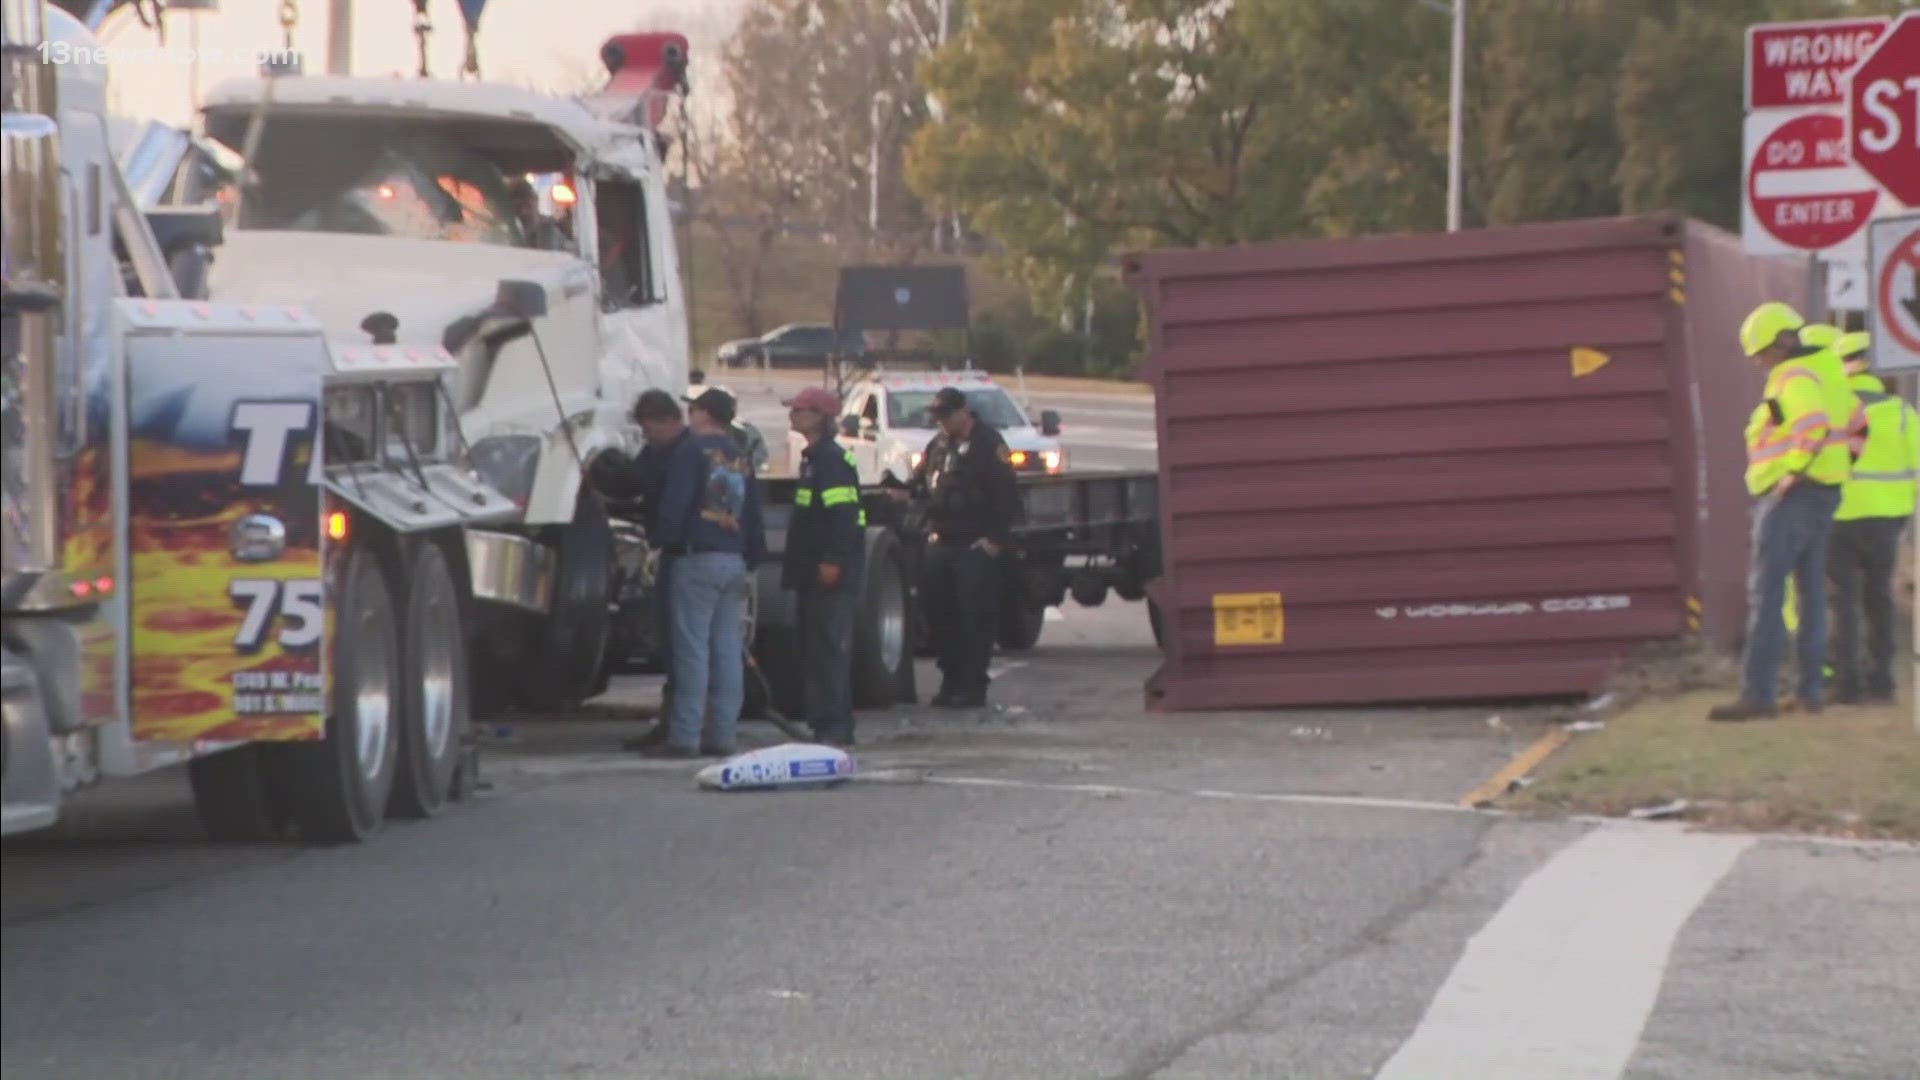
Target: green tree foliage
[1073, 130]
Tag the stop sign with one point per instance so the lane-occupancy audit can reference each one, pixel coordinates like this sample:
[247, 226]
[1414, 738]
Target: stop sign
[1883, 110]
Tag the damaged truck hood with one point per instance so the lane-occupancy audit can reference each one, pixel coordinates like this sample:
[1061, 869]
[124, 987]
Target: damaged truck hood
[341, 279]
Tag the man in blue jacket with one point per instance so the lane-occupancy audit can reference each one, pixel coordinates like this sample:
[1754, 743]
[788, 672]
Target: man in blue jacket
[826, 552]
[709, 524]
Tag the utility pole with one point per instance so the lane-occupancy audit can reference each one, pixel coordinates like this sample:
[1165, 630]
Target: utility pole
[1455, 121]
[339, 37]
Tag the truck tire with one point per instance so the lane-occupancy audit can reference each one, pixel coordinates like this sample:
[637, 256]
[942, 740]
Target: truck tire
[242, 795]
[562, 664]
[883, 629]
[1022, 618]
[434, 716]
[781, 664]
[342, 783]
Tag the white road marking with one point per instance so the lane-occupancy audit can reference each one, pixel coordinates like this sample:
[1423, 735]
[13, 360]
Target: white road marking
[1053, 614]
[1559, 984]
[1000, 670]
[1358, 801]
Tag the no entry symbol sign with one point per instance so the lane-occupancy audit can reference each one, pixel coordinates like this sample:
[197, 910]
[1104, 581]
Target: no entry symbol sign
[1802, 187]
[1895, 316]
[1900, 293]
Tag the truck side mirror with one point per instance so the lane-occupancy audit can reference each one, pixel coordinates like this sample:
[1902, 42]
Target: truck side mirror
[1049, 423]
[850, 426]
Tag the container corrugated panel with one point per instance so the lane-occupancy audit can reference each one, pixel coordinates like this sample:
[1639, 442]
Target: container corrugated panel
[1479, 465]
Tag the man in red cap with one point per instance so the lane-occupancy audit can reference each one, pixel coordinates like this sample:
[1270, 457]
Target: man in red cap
[826, 552]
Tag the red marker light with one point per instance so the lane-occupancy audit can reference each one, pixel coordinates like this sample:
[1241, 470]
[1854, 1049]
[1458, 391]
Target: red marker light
[103, 585]
[81, 588]
[337, 525]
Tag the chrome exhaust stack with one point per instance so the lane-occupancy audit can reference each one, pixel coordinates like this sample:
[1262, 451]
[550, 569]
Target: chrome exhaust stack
[33, 272]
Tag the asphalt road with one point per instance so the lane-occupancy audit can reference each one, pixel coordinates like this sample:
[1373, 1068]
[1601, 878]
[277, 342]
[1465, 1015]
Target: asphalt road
[1099, 430]
[1065, 886]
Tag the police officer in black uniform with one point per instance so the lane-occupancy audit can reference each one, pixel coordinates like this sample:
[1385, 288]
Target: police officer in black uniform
[967, 483]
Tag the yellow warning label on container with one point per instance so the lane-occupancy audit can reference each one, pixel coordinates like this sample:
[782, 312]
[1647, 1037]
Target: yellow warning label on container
[1248, 619]
[1587, 361]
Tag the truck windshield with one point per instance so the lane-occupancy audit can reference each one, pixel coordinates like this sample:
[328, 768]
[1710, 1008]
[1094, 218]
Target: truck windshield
[422, 191]
[908, 408]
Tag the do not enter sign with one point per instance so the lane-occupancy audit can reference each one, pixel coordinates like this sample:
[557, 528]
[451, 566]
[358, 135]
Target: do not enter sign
[1804, 193]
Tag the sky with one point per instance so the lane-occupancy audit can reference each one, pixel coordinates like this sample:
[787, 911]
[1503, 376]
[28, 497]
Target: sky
[520, 41]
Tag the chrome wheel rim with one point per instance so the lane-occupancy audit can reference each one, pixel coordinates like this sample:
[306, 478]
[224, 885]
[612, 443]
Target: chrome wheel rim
[890, 619]
[437, 672]
[373, 697]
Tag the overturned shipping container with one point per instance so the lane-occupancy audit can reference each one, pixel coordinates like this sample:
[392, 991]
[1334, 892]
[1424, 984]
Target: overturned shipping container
[1443, 467]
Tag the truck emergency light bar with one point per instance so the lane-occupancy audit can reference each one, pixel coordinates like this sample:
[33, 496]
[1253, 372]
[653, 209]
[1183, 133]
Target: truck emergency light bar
[646, 69]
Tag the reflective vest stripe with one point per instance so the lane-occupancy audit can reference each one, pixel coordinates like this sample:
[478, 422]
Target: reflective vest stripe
[803, 497]
[839, 496]
[1892, 477]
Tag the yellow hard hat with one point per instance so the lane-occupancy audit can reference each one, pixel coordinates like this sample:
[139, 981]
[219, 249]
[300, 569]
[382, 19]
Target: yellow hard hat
[1853, 349]
[1766, 324]
[1819, 335]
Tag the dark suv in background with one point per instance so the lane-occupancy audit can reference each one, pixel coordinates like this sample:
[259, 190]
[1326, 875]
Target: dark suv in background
[794, 345]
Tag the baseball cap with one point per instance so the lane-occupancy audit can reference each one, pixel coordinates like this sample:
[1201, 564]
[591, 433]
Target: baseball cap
[947, 402]
[816, 399]
[655, 405]
[715, 402]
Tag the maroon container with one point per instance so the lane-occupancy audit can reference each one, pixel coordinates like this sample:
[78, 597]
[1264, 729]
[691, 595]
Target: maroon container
[1443, 467]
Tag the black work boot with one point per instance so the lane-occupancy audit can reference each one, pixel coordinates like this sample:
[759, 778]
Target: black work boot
[646, 740]
[1742, 710]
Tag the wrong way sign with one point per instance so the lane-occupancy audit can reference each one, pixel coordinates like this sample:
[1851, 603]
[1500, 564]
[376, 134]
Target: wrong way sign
[1804, 195]
[1893, 260]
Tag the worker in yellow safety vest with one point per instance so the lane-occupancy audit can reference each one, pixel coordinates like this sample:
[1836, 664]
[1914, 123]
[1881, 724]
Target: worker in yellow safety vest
[1875, 505]
[1841, 401]
[1795, 468]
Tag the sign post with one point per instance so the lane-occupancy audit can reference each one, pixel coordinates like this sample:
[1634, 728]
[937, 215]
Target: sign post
[1823, 134]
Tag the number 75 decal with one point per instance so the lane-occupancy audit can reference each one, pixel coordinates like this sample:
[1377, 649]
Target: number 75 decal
[296, 602]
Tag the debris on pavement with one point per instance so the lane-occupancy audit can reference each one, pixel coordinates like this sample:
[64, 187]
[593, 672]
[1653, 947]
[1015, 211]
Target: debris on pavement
[1664, 810]
[789, 765]
[1580, 727]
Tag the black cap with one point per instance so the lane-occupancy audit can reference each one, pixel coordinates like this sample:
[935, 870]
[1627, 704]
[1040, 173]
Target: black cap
[656, 405]
[716, 403]
[947, 402]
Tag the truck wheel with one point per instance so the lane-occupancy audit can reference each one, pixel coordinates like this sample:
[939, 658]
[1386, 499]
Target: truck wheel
[434, 718]
[242, 794]
[342, 784]
[1022, 618]
[562, 666]
[784, 669]
[882, 630]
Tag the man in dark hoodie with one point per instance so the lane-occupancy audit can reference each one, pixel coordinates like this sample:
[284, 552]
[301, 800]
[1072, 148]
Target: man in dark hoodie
[826, 553]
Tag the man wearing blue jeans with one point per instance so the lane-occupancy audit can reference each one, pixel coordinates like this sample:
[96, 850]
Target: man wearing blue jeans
[710, 523]
[1797, 458]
